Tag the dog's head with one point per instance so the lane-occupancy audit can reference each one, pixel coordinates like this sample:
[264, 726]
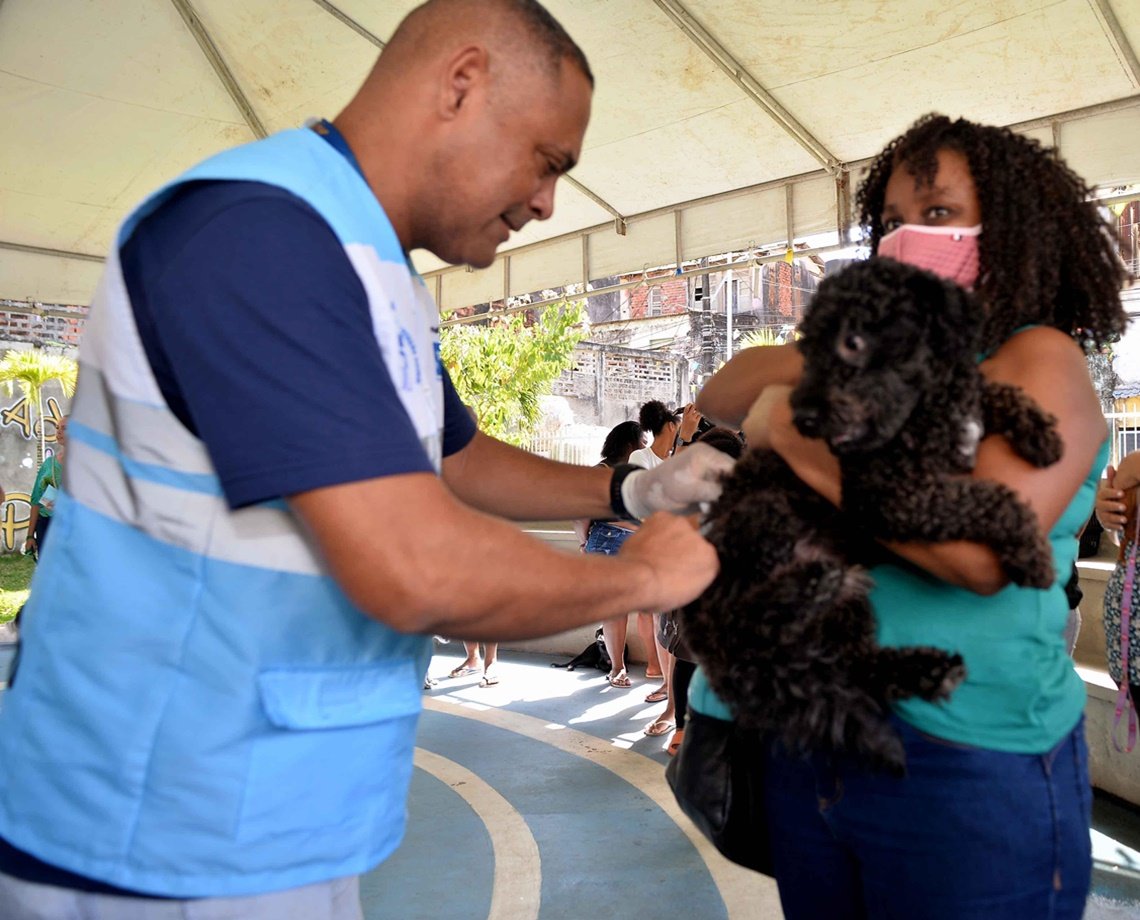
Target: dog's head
[876, 339]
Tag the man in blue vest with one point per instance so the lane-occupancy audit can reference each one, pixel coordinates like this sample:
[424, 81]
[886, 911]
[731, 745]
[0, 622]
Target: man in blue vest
[274, 496]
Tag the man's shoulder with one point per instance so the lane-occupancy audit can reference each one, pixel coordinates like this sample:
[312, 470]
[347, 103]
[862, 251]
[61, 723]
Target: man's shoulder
[199, 202]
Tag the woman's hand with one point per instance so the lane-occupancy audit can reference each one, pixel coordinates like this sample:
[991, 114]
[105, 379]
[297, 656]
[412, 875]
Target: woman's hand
[690, 421]
[30, 545]
[1109, 506]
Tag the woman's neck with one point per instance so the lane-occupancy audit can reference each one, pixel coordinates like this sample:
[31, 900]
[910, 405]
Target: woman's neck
[660, 446]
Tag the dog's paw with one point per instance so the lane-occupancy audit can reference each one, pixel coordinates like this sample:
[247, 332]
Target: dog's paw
[1041, 446]
[944, 677]
[1032, 567]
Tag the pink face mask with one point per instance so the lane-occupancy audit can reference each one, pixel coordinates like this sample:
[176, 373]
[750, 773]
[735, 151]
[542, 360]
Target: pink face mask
[949, 252]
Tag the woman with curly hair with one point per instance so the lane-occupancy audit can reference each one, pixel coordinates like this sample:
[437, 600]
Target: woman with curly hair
[992, 817]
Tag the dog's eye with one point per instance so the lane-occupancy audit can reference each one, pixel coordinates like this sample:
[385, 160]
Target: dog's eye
[851, 348]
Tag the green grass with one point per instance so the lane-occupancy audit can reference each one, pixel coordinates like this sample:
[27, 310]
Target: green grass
[15, 574]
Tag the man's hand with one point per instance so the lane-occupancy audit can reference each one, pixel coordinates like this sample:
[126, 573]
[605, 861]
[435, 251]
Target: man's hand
[758, 421]
[680, 484]
[683, 562]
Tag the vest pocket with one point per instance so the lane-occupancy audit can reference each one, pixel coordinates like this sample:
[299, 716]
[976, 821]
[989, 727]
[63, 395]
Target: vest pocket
[329, 771]
[306, 698]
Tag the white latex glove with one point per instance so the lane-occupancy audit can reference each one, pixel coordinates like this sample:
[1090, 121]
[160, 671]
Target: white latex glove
[681, 484]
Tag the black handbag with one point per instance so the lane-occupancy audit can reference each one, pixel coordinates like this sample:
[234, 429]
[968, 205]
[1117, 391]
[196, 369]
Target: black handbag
[717, 778]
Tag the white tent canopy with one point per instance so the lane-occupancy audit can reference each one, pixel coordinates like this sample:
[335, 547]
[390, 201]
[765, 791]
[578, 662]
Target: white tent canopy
[717, 125]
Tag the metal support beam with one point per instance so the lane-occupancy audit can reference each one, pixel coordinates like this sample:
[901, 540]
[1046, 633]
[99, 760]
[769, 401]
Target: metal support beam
[677, 237]
[790, 214]
[736, 72]
[624, 285]
[843, 216]
[350, 22]
[214, 56]
[620, 226]
[1115, 34]
[57, 253]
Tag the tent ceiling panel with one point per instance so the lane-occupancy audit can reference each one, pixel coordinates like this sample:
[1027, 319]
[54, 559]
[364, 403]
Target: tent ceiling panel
[1104, 147]
[463, 288]
[648, 243]
[641, 168]
[734, 223]
[553, 266]
[814, 206]
[137, 53]
[28, 276]
[108, 99]
[1053, 59]
[648, 76]
[290, 57]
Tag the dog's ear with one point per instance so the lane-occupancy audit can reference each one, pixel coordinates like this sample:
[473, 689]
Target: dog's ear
[953, 316]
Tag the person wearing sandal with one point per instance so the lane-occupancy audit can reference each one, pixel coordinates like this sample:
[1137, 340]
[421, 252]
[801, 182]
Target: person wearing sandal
[472, 665]
[607, 537]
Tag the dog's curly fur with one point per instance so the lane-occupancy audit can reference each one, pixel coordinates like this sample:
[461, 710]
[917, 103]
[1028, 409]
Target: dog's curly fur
[786, 634]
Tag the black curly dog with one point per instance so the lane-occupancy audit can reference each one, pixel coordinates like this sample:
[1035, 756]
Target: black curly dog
[786, 633]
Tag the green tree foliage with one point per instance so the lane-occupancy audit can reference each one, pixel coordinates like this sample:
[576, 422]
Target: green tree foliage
[30, 370]
[503, 367]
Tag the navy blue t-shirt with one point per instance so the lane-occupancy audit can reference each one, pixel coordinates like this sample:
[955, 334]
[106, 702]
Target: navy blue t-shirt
[258, 331]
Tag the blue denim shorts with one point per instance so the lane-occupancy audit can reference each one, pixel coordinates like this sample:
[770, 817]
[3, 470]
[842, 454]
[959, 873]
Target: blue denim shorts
[606, 538]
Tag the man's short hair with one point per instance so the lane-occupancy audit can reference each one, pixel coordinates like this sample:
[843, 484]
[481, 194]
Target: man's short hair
[541, 34]
[548, 31]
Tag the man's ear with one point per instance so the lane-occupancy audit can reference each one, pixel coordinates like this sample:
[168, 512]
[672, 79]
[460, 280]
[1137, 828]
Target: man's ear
[464, 72]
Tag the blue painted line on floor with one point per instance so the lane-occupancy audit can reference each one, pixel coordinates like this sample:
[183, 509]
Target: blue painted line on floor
[601, 840]
[444, 867]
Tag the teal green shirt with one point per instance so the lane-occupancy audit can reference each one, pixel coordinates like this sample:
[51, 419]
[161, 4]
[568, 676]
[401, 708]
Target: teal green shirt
[50, 474]
[1021, 693]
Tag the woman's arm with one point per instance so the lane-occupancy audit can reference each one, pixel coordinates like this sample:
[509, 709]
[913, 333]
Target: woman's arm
[732, 390]
[1050, 369]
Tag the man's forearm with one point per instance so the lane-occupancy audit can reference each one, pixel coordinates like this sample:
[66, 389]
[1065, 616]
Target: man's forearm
[419, 561]
[499, 479]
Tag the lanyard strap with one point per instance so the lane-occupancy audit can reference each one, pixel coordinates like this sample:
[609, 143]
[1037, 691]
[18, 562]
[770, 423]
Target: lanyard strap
[328, 131]
[1124, 701]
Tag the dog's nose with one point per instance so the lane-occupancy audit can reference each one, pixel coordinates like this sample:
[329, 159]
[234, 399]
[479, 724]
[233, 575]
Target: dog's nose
[806, 420]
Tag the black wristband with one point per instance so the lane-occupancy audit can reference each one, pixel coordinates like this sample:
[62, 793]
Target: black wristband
[621, 471]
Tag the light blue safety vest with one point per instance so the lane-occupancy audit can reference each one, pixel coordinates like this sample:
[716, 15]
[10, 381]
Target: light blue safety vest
[200, 711]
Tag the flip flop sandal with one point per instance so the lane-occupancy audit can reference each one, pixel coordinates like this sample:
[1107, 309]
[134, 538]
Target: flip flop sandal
[658, 696]
[488, 680]
[660, 727]
[464, 671]
[620, 680]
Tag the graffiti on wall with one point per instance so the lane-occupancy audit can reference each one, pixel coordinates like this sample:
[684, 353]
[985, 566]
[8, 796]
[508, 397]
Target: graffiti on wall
[20, 417]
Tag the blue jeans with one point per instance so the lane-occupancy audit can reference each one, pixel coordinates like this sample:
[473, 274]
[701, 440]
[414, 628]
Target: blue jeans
[606, 538]
[966, 834]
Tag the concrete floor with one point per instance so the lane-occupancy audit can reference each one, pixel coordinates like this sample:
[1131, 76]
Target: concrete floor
[542, 798]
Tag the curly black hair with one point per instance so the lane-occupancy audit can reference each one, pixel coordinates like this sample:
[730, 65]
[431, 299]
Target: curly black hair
[1045, 253]
[655, 415]
[623, 438]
